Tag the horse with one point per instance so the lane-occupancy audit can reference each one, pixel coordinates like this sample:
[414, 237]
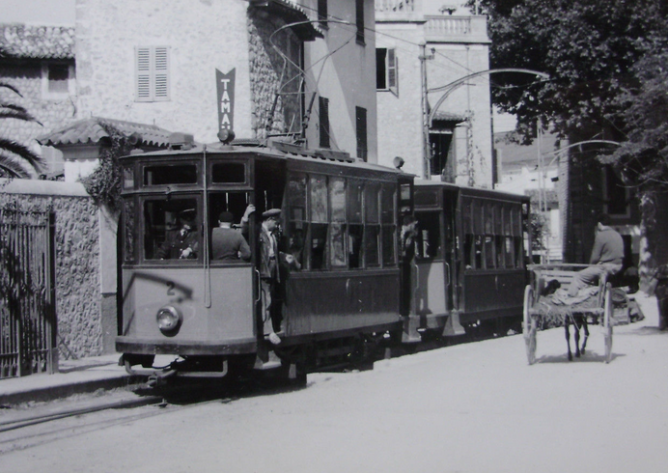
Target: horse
[578, 320]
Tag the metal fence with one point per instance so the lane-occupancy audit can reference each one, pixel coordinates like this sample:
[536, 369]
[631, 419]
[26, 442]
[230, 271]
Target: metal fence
[27, 298]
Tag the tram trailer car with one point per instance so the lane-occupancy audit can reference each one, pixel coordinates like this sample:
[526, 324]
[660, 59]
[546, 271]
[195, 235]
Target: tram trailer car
[340, 220]
[470, 264]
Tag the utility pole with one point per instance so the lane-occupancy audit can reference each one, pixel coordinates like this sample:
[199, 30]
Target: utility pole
[426, 149]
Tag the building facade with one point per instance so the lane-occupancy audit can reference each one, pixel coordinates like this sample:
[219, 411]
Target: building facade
[433, 93]
[169, 58]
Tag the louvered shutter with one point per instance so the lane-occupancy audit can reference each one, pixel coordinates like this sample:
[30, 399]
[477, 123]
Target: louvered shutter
[392, 71]
[161, 76]
[152, 74]
[143, 56]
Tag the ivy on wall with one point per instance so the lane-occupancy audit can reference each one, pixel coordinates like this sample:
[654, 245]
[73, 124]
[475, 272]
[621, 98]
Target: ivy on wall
[104, 183]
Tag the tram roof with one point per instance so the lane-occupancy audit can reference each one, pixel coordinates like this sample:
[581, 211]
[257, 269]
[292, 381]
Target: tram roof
[472, 190]
[276, 151]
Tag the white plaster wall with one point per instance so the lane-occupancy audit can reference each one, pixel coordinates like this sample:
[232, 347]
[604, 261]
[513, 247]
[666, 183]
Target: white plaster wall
[452, 62]
[400, 115]
[347, 78]
[203, 35]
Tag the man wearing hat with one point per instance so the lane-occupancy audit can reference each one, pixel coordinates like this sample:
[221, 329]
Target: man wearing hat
[182, 244]
[227, 243]
[270, 277]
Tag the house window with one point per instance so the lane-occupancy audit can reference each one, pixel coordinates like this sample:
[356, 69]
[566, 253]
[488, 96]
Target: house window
[152, 77]
[386, 70]
[615, 194]
[323, 109]
[359, 21]
[322, 13]
[360, 122]
[57, 80]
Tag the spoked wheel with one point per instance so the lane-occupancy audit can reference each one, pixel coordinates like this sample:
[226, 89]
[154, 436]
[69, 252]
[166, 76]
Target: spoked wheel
[529, 326]
[607, 323]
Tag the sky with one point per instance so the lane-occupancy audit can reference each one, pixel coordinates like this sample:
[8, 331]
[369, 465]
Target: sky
[43, 12]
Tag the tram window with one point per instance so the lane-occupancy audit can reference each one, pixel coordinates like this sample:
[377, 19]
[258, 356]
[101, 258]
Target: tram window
[489, 252]
[355, 192]
[387, 204]
[498, 246]
[337, 197]
[162, 220]
[389, 245]
[371, 191]
[318, 199]
[405, 197]
[371, 245]
[318, 244]
[519, 263]
[228, 173]
[428, 239]
[157, 175]
[295, 240]
[337, 245]
[509, 252]
[355, 238]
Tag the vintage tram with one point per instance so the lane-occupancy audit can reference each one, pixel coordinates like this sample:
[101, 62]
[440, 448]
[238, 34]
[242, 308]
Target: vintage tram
[340, 220]
[359, 279]
[470, 262]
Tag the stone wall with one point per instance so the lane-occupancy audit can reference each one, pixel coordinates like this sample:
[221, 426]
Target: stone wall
[86, 318]
[271, 74]
[52, 113]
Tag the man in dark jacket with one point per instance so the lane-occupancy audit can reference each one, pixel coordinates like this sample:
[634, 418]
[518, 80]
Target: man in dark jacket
[182, 244]
[228, 243]
[607, 256]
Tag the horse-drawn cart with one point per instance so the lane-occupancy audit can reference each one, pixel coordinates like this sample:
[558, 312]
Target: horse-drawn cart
[545, 297]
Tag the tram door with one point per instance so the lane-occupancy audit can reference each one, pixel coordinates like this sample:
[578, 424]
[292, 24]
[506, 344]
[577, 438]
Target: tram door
[431, 277]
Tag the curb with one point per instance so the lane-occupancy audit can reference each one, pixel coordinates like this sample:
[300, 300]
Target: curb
[51, 393]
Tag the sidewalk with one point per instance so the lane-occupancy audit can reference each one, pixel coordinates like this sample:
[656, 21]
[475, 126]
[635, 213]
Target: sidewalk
[74, 377]
[103, 372]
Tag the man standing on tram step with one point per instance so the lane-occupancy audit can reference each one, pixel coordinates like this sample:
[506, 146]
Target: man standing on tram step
[227, 243]
[269, 273]
[607, 256]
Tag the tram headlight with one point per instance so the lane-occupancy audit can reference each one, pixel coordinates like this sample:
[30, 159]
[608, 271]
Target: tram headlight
[168, 318]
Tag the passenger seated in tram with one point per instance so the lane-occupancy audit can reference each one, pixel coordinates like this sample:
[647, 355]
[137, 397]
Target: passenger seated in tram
[228, 243]
[180, 244]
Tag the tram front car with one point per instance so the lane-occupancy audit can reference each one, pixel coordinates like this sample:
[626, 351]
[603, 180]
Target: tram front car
[339, 220]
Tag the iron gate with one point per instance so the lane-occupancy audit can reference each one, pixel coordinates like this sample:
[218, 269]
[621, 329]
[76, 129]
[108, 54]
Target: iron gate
[27, 297]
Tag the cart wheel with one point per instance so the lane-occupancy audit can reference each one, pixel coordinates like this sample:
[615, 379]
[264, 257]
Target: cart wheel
[607, 323]
[529, 326]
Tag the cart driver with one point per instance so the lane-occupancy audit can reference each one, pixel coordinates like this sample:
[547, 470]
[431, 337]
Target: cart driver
[607, 256]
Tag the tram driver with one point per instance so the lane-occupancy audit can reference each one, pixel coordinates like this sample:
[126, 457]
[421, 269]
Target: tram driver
[181, 244]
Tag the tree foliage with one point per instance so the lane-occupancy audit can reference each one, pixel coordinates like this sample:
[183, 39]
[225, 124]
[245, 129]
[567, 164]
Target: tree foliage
[16, 159]
[595, 52]
[104, 183]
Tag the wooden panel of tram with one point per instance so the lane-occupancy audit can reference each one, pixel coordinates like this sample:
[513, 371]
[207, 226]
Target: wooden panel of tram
[491, 293]
[335, 301]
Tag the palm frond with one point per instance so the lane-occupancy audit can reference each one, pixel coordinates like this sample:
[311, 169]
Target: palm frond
[23, 152]
[9, 86]
[18, 113]
[11, 168]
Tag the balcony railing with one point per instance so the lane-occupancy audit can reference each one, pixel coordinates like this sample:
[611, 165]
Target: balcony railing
[447, 28]
[398, 10]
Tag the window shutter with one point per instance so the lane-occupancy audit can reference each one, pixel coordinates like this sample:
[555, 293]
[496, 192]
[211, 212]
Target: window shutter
[161, 69]
[392, 71]
[360, 122]
[152, 74]
[323, 106]
[143, 73]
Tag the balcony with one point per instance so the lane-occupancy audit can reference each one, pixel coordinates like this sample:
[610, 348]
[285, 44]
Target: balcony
[456, 29]
[399, 11]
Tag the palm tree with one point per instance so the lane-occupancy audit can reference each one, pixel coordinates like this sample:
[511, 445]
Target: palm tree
[15, 158]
